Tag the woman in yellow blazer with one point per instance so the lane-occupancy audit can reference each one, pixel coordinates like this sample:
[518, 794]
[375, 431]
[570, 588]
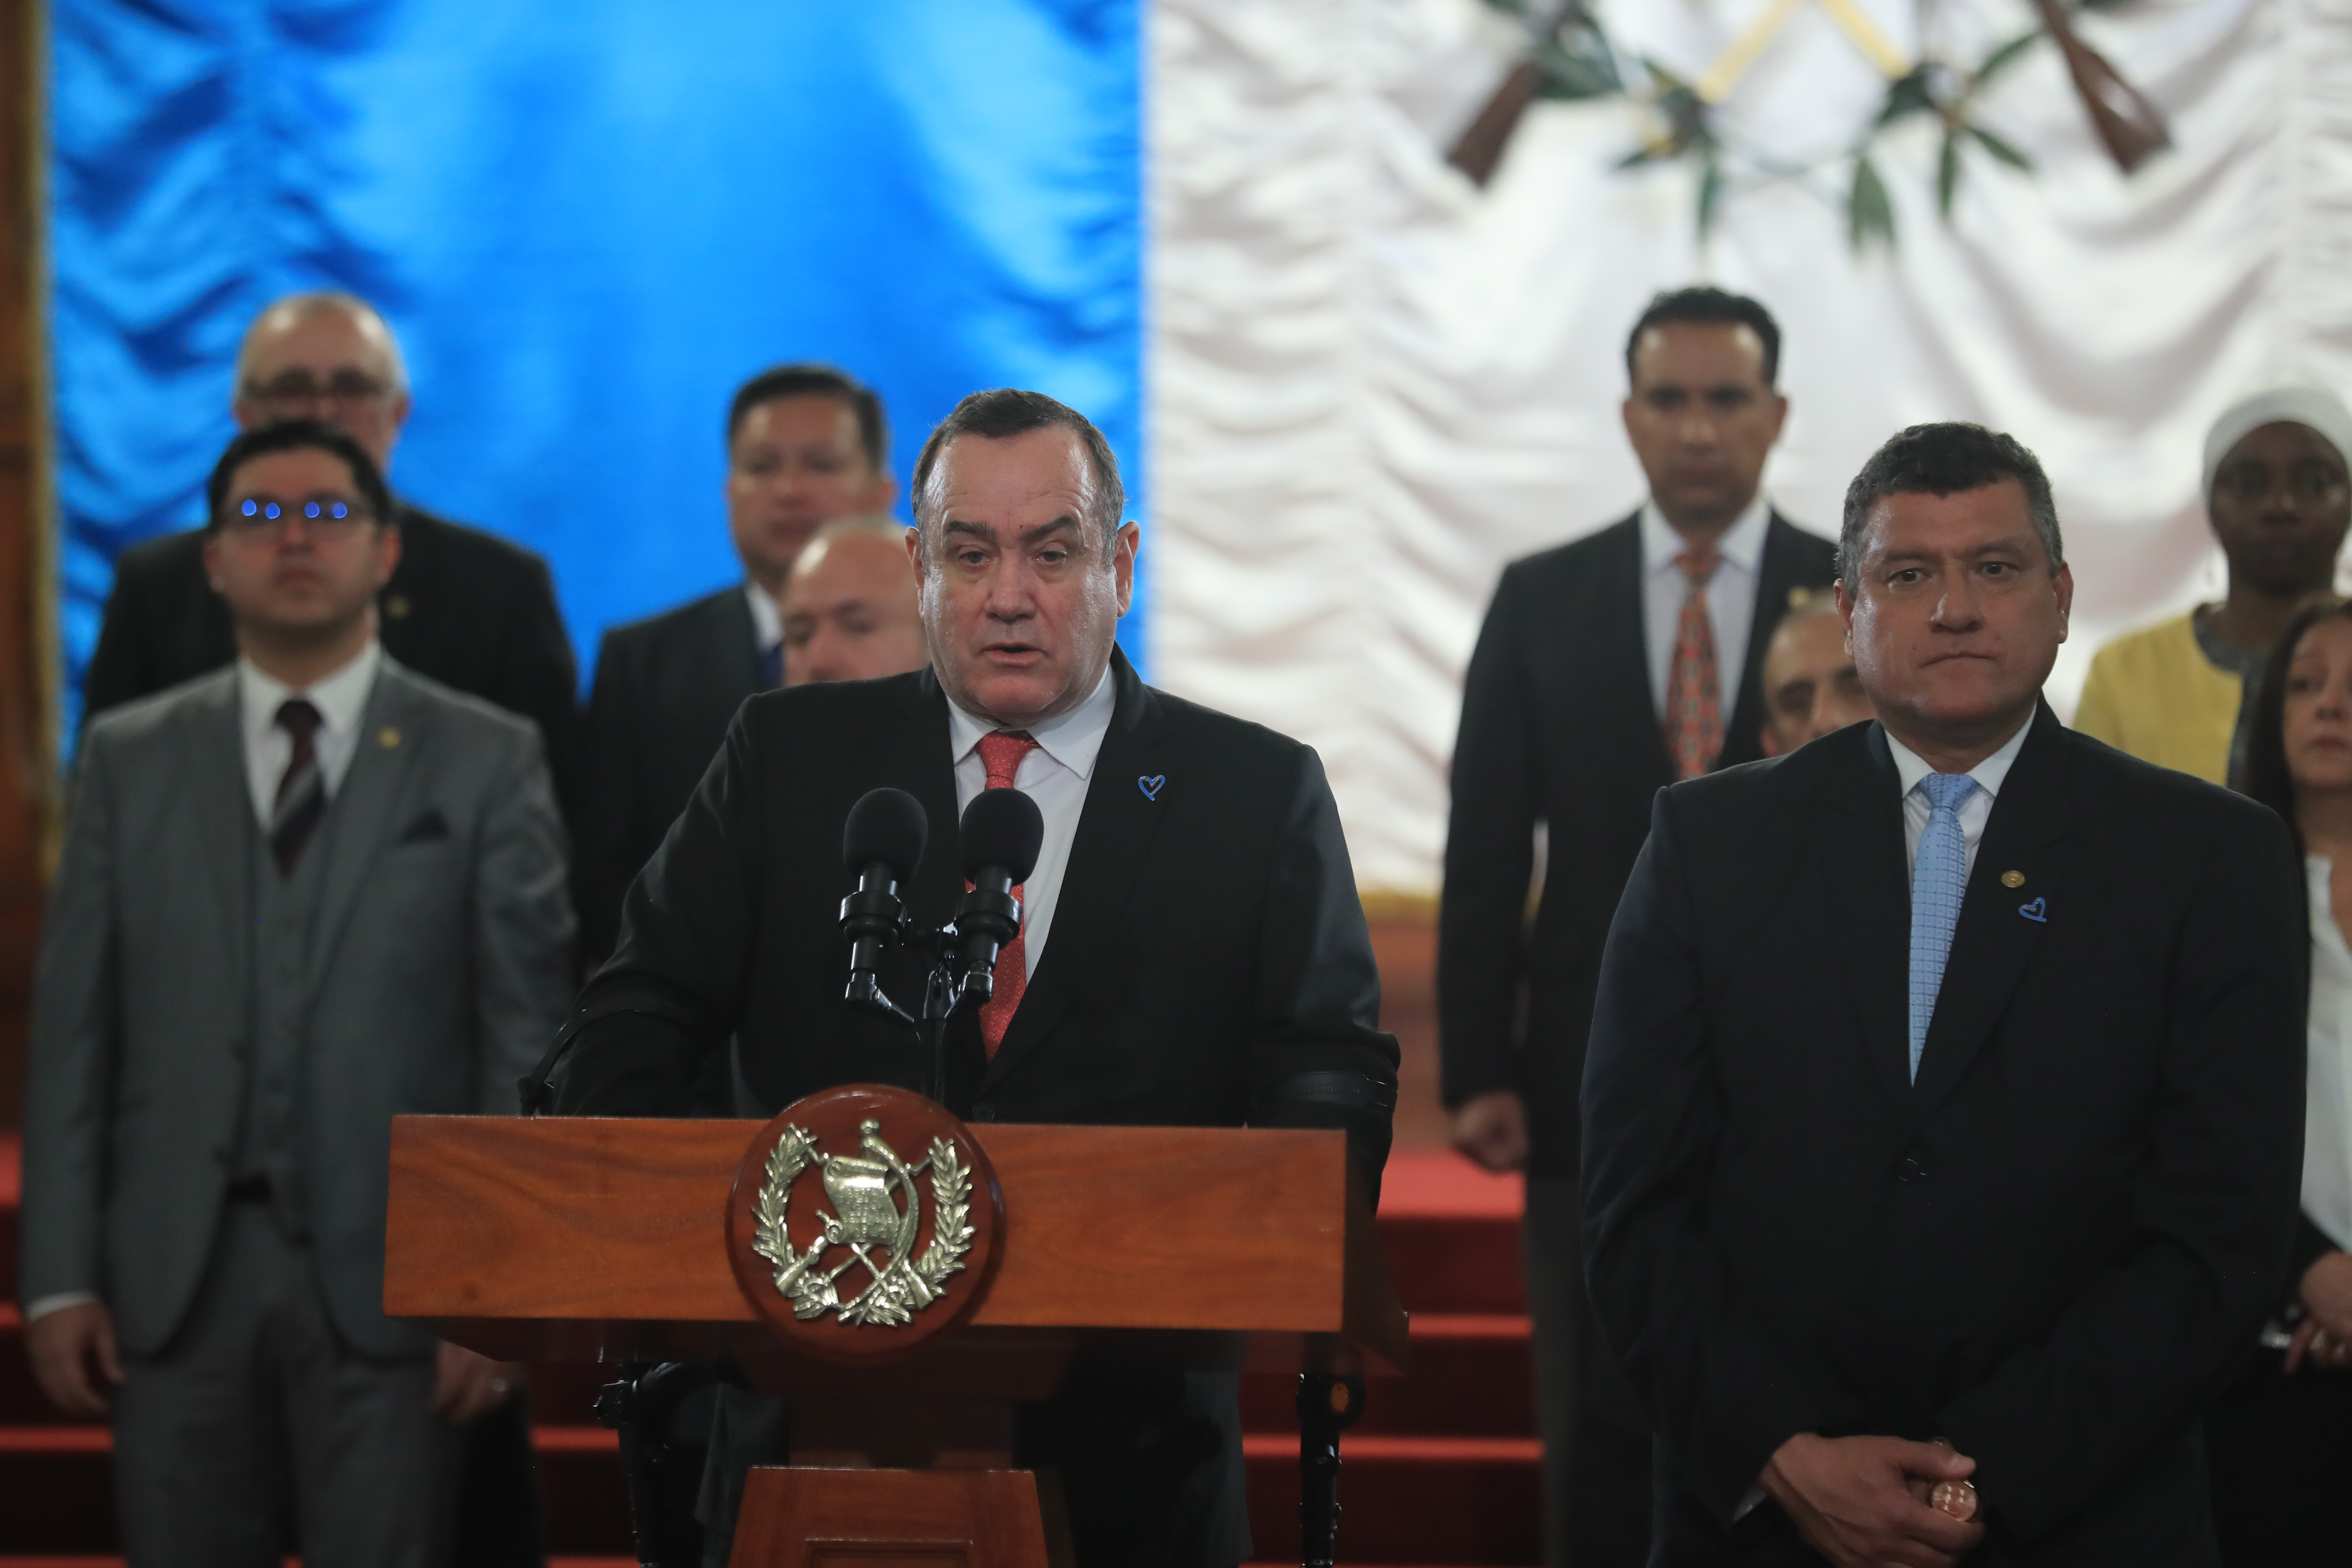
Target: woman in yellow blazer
[2277, 492]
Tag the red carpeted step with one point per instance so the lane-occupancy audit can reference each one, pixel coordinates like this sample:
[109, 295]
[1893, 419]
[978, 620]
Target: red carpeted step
[582, 1490]
[57, 1489]
[1470, 1378]
[1406, 1500]
[12, 1187]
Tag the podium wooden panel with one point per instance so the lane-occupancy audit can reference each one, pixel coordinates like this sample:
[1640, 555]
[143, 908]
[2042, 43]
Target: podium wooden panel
[549, 1239]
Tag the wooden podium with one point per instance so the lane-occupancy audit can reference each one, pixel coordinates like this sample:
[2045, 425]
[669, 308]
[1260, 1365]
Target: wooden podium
[568, 1239]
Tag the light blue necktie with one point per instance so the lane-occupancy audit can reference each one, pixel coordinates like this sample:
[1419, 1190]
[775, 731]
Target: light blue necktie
[1938, 880]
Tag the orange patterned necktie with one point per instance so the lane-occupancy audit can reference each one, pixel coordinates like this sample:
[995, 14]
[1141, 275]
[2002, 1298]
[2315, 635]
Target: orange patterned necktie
[1694, 705]
[1001, 754]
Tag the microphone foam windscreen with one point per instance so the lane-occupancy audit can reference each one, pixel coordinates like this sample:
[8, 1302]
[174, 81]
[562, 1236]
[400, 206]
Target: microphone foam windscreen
[1002, 827]
[888, 825]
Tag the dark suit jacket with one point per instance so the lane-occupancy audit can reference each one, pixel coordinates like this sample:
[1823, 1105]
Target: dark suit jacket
[2053, 1247]
[665, 688]
[1558, 727]
[1209, 965]
[464, 607]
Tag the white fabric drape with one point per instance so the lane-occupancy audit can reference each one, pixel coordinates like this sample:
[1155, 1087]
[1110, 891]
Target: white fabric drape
[1372, 384]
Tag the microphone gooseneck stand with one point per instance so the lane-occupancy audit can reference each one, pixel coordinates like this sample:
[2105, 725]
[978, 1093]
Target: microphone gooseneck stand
[883, 843]
[1326, 1405]
[953, 979]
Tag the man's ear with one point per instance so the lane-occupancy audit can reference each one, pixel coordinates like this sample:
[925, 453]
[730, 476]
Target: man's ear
[212, 560]
[387, 553]
[1124, 544]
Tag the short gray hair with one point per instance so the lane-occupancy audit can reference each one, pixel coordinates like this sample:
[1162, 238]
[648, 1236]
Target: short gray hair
[1942, 460]
[1009, 411]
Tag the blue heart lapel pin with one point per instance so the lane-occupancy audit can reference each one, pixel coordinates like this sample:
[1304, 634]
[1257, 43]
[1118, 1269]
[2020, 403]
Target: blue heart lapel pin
[2038, 912]
[1152, 785]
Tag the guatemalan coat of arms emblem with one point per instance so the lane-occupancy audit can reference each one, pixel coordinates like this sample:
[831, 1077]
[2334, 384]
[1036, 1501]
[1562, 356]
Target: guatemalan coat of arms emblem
[864, 1220]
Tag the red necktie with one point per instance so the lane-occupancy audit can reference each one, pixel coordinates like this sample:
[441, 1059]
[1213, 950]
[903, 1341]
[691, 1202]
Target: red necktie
[1001, 754]
[1694, 703]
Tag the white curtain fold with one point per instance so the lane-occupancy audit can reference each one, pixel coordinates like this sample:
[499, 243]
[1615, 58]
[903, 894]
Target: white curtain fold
[1372, 385]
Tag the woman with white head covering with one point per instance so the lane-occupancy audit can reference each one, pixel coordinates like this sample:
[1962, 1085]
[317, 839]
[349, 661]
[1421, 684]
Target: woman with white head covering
[2277, 493]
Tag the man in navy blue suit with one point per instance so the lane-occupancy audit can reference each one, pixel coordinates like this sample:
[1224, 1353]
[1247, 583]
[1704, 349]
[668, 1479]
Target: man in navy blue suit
[1949, 1264]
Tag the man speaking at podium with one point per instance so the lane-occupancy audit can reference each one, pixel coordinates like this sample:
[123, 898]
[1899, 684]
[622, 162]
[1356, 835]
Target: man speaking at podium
[1192, 951]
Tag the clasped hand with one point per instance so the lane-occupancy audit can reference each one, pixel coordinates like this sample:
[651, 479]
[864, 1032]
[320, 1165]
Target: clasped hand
[1861, 1502]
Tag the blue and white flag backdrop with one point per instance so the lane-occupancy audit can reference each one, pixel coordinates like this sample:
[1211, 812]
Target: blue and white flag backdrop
[1373, 383]
[587, 222]
[1369, 383]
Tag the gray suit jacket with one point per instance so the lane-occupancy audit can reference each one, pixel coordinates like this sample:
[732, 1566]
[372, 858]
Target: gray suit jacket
[438, 971]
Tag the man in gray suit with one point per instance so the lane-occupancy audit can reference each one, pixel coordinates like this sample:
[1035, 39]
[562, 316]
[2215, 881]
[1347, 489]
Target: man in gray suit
[299, 897]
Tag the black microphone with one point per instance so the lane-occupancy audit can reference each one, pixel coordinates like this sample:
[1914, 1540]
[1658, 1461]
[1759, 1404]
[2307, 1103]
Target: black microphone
[881, 844]
[1001, 834]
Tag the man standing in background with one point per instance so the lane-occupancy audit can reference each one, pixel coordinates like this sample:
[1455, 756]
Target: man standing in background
[850, 608]
[806, 444]
[2276, 489]
[1607, 669]
[464, 607]
[1812, 687]
[299, 897]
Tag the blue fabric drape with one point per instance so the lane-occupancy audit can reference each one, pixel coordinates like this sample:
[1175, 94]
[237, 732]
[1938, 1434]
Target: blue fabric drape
[587, 223]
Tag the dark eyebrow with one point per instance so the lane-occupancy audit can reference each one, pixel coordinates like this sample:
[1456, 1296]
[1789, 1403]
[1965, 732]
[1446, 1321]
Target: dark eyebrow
[1065, 523]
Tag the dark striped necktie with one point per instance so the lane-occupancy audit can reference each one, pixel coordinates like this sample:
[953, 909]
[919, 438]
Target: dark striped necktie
[301, 790]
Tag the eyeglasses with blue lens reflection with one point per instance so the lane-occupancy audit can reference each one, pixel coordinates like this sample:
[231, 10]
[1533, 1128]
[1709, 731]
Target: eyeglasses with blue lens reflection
[258, 516]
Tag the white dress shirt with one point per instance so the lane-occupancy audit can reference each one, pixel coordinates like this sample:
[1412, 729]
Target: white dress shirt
[2327, 1068]
[1975, 811]
[1730, 597]
[767, 617]
[341, 699]
[1055, 775]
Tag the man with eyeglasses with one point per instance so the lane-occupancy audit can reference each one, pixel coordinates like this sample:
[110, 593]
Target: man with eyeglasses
[469, 609]
[297, 897]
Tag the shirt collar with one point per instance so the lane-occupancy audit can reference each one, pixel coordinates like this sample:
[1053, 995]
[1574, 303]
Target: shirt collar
[1073, 738]
[1742, 545]
[1911, 767]
[340, 697]
[767, 620]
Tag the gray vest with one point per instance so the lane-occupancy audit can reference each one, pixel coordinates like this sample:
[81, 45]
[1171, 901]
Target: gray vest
[284, 912]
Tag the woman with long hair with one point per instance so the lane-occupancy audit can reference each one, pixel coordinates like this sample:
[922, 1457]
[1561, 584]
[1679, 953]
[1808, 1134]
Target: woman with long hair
[2280, 1439]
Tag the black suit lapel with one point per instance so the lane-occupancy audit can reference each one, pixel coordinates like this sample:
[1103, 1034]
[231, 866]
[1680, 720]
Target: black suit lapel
[1115, 835]
[1778, 575]
[1999, 926]
[1866, 867]
[926, 770]
[731, 652]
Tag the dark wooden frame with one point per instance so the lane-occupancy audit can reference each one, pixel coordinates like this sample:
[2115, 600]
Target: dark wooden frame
[29, 662]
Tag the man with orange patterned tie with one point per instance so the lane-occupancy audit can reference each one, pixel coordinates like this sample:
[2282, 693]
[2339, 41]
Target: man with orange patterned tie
[1192, 950]
[1608, 669]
